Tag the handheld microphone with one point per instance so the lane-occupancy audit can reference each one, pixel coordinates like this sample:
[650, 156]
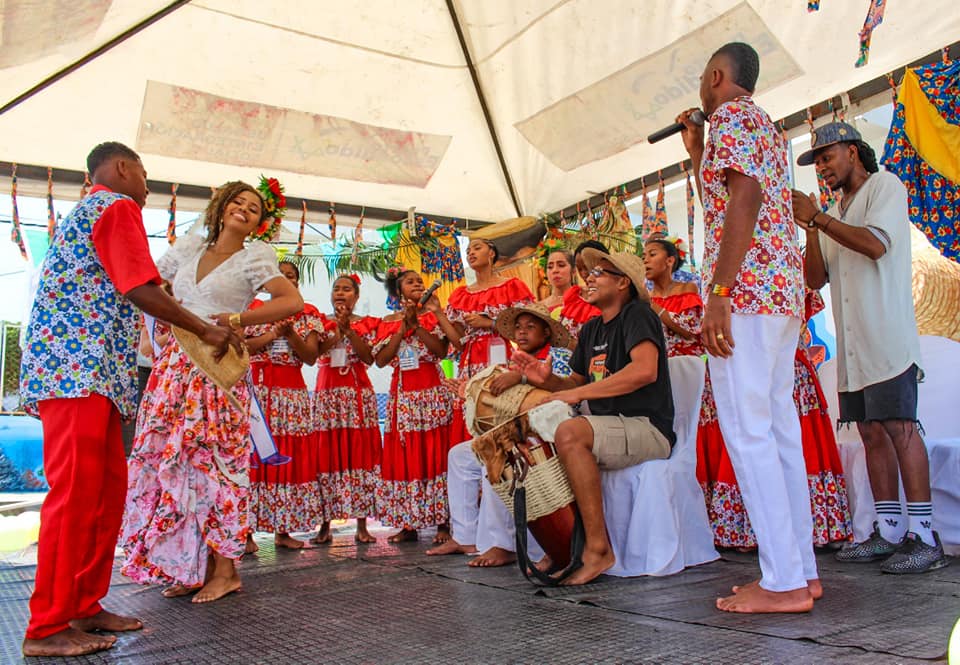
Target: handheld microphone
[429, 292]
[696, 118]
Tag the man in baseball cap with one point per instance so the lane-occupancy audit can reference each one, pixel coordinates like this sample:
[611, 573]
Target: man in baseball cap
[620, 368]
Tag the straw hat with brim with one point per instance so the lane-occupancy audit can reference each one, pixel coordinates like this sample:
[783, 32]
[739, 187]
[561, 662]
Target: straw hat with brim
[629, 264]
[225, 373]
[507, 322]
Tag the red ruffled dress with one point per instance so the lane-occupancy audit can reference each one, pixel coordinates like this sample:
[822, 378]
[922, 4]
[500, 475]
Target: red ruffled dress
[416, 438]
[828, 490]
[285, 498]
[347, 426]
[474, 356]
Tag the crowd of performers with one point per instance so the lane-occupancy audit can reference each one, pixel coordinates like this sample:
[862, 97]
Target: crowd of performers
[188, 501]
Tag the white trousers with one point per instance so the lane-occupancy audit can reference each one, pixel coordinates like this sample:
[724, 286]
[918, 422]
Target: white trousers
[761, 429]
[485, 524]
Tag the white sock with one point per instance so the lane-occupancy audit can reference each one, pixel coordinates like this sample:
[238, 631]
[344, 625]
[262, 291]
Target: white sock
[921, 520]
[890, 518]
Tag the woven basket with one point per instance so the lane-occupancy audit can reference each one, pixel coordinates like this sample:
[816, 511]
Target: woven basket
[548, 489]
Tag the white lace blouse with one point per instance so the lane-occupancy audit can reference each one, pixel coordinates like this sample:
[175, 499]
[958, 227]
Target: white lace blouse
[230, 287]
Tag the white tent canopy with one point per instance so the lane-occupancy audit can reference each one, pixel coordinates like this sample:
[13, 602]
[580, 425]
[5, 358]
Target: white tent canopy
[373, 103]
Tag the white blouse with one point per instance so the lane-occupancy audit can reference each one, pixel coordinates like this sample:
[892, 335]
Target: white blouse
[230, 287]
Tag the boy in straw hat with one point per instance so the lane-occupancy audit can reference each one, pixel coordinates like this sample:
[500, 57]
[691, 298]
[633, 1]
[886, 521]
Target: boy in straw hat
[78, 373]
[488, 527]
[862, 247]
[620, 368]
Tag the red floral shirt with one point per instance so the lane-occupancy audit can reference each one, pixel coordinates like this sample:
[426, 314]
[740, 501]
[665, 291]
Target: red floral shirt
[743, 138]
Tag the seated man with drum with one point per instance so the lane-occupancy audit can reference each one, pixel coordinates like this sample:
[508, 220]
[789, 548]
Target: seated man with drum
[620, 370]
[488, 524]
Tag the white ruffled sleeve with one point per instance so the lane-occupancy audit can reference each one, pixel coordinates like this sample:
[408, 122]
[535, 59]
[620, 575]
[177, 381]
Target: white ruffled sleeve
[261, 264]
[183, 250]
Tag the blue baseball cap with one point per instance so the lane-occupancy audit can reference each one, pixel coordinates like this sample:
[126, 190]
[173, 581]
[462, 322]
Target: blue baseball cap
[835, 132]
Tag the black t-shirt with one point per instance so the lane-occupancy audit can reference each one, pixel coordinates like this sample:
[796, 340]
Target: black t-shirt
[604, 349]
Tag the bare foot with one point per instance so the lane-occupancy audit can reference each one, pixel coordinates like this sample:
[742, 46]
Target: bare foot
[443, 535]
[493, 557]
[545, 564]
[404, 536]
[451, 547]
[68, 642]
[813, 586]
[754, 599]
[107, 622]
[364, 537]
[218, 587]
[323, 536]
[288, 541]
[594, 564]
[251, 547]
[177, 590]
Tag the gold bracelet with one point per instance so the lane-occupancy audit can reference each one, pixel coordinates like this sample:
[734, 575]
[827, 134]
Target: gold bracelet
[234, 320]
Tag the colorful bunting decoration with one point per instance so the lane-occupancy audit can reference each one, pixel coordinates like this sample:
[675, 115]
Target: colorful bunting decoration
[871, 23]
[660, 216]
[172, 210]
[813, 5]
[690, 208]
[647, 216]
[16, 235]
[51, 213]
[357, 238]
[303, 224]
[332, 224]
[921, 151]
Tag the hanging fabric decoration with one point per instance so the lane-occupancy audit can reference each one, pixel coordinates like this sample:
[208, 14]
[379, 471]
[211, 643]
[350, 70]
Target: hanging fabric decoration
[827, 197]
[303, 224]
[923, 150]
[86, 185]
[660, 216]
[51, 213]
[693, 260]
[647, 216]
[332, 224]
[357, 237]
[172, 211]
[871, 23]
[813, 5]
[16, 235]
[615, 229]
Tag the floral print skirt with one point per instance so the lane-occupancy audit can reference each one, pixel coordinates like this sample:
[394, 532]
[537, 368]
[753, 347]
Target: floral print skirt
[286, 498]
[188, 475]
[828, 490]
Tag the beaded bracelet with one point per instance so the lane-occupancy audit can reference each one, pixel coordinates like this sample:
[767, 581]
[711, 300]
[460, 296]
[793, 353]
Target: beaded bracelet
[722, 291]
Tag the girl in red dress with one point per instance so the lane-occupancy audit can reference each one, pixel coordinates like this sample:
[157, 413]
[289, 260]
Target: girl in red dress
[345, 414]
[676, 303]
[565, 302]
[285, 498]
[413, 491]
[473, 309]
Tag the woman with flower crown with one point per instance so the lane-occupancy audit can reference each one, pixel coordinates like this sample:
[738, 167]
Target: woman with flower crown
[284, 498]
[345, 414]
[186, 517]
[413, 493]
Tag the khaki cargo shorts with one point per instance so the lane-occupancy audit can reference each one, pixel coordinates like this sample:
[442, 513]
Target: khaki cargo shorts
[620, 441]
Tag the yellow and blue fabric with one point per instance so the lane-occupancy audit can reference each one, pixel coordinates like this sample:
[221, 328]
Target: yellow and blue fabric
[923, 150]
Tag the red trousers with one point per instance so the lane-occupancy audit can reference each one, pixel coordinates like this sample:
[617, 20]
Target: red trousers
[81, 516]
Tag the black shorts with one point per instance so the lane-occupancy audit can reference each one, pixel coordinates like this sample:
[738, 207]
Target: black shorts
[893, 399]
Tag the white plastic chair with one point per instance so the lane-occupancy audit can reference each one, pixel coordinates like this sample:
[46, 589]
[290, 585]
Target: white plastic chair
[655, 511]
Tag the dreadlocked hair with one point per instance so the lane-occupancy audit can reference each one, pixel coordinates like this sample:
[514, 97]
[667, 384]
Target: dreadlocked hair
[213, 217]
[867, 156]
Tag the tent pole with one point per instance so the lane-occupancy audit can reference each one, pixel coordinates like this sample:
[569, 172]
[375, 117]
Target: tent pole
[484, 108]
[92, 55]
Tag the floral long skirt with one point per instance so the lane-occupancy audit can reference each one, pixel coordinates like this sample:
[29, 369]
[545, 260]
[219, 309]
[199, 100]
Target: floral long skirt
[188, 475]
[286, 498]
[828, 490]
[348, 442]
[416, 441]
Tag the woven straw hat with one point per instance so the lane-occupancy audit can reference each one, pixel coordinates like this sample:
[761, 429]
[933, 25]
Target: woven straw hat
[936, 289]
[629, 264]
[507, 321]
[225, 374]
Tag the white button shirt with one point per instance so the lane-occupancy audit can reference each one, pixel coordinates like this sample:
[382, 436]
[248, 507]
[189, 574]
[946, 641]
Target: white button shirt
[877, 335]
